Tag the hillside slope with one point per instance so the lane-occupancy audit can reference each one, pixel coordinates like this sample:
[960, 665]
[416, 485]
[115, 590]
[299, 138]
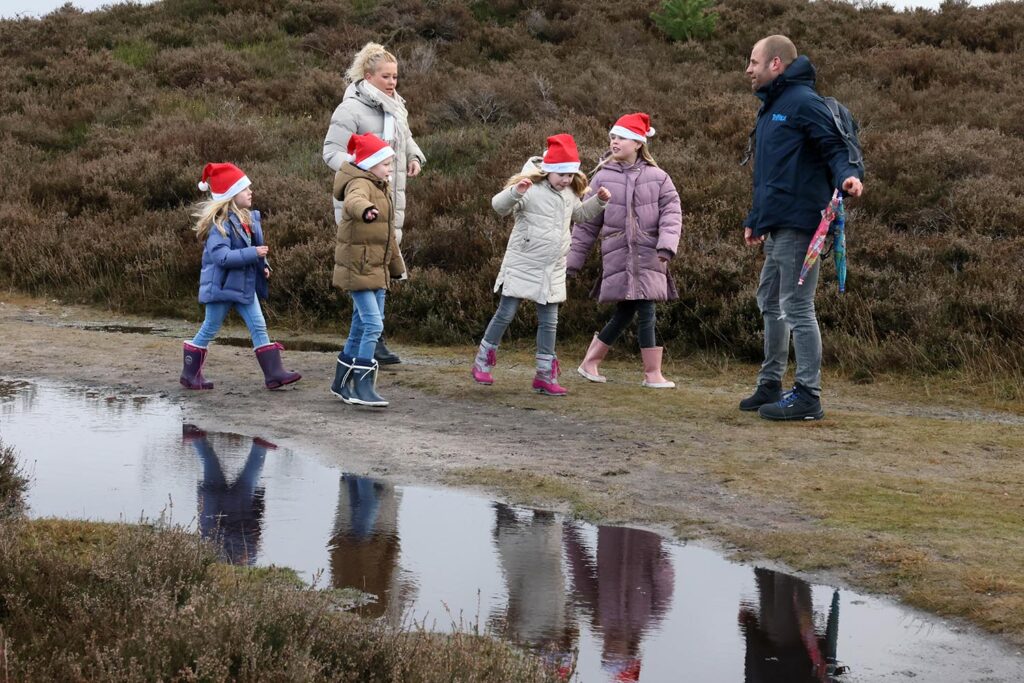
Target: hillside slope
[108, 118]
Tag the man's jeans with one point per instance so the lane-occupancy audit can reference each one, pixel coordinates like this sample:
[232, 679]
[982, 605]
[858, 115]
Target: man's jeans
[788, 307]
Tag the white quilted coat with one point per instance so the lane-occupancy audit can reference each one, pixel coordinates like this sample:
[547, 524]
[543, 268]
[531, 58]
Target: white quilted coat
[534, 263]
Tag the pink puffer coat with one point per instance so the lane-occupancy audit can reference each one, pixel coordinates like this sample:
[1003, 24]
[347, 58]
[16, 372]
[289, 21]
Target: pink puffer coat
[642, 219]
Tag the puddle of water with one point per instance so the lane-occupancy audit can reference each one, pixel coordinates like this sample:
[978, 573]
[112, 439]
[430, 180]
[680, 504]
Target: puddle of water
[289, 344]
[633, 605]
[125, 329]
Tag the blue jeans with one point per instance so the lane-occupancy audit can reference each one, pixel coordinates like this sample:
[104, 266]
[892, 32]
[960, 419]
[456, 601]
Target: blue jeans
[251, 313]
[367, 323]
[547, 324]
[788, 308]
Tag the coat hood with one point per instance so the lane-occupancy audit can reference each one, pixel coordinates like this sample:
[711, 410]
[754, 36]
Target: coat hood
[620, 167]
[532, 165]
[800, 72]
[349, 172]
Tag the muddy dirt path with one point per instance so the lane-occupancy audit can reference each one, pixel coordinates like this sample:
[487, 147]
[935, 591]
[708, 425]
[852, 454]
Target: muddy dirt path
[689, 465]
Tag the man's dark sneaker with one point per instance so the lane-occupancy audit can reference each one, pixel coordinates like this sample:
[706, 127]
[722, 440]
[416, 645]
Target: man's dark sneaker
[383, 355]
[767, 392]
[796, 404]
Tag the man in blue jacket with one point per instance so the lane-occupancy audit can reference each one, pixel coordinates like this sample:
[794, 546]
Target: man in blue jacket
[799, 158]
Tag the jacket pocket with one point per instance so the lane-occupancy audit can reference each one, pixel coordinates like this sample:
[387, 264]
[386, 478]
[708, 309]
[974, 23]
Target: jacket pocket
[364, 261]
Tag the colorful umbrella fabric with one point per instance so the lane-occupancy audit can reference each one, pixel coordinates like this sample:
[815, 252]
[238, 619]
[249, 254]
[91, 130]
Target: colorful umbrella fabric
[818, 241]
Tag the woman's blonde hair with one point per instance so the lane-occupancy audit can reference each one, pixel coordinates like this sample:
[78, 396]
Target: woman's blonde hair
[642, 153]
[214, 213]
[579, 186]
[367, 60]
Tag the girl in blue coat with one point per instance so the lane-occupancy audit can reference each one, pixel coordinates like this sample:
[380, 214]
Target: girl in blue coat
[235, 273]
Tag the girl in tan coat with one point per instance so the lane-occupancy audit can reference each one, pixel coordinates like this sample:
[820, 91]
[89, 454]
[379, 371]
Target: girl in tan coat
[366, 258]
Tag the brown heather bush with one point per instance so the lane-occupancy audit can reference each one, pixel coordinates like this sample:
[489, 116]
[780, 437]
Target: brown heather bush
[108, 118]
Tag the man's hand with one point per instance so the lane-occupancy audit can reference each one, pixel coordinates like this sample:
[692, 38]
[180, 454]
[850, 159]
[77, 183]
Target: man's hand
[748, 237]
[523, 185]
[266, 273]
[262, 250]
[853, 186]
[414, 168]
[370, 215]
[604, 194]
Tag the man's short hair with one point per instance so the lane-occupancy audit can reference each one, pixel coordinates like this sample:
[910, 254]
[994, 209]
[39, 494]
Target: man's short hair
[779, 46]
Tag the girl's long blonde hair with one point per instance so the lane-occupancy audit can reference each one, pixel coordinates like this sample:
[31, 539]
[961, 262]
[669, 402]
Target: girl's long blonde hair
[367, 60]
[642, 153]
[213, 213]
[579, 186]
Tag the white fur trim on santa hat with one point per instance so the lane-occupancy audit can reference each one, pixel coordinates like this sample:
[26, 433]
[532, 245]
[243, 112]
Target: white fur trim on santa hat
[239, 185]
[631, 135]
[375, 158]
[564, 167]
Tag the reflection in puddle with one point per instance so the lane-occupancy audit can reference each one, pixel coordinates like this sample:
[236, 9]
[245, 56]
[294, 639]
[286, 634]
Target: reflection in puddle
[230, 513]
[622, 604]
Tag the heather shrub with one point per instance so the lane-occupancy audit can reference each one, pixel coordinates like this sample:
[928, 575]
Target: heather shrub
[86, 601]
[13, 483]
[109, 116]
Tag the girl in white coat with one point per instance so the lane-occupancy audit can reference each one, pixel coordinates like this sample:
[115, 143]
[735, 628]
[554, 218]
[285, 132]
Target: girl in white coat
[545, 199]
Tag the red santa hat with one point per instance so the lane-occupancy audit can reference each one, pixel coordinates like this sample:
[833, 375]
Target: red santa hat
[633, 127]
[561, 155]
[366, 151]
[223, 181]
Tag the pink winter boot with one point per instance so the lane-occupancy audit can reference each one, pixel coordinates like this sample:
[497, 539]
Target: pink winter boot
[486, 359]
[595, 354]
[652, 369]
[546, 379]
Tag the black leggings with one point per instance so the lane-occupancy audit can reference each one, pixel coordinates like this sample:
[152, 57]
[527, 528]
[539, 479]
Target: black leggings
[623, 317]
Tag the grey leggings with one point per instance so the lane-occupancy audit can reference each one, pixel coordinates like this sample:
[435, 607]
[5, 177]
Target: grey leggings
[547, 324]
[624, 314]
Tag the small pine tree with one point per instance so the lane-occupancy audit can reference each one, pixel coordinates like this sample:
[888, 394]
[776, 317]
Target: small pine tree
[685, 19]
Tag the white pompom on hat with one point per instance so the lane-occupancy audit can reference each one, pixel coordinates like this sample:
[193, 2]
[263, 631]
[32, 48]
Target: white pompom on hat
[561, 156]
[223, 181]
[366, 151]
[633, 127]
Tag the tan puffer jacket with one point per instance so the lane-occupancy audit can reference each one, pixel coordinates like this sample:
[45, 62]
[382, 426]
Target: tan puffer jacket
[534, 263]
[366, 255]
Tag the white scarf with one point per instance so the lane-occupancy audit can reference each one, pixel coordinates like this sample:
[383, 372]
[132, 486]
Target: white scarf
[396, 117]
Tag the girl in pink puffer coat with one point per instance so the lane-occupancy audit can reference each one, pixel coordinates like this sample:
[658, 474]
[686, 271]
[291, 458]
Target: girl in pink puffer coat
[639, 233]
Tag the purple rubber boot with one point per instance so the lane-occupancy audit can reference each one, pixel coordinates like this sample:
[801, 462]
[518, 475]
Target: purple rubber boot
[192, 369]
[274, 374]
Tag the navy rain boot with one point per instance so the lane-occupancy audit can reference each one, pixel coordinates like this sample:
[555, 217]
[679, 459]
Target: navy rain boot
[768, 391]
[364, 390]
[274, 374]
[383, 355]
[342, 384]
[796, 404]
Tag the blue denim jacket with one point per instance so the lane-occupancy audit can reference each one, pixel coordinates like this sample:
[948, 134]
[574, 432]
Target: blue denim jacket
[232, 271]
